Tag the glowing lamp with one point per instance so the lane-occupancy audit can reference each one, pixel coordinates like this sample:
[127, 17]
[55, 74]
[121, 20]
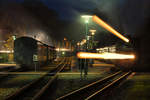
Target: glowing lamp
[92, 32]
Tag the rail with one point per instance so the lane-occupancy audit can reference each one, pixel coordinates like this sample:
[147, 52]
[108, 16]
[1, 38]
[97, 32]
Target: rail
[90, 91]
[29, 86]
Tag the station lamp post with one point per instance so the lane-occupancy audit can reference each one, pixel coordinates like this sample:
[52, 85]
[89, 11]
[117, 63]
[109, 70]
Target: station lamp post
[86, 19]
[85, 61]
[92, 34]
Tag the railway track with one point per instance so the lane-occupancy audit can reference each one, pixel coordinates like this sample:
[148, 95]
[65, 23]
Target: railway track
[96, 89]
[37, 88]
[6, 75]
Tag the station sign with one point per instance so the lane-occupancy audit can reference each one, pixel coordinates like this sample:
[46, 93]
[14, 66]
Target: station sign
[35, 57]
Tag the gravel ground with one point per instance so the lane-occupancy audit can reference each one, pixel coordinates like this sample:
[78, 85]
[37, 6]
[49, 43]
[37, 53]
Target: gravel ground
[11, 84]
[68, 83]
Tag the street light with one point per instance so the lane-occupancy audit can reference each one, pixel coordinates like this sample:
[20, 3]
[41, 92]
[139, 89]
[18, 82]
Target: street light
[92, 32]
[78, 44]
[88, 37]
[65, 39]
[86, 18]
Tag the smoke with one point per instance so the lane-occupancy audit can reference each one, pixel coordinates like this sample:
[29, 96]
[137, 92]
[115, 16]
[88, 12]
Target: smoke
[72, 10]
[16, 20]
[73, 7]
[135, 15]
[127, 16]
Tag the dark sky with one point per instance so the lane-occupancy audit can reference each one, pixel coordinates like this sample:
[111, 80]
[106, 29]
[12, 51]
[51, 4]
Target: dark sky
[67, 9]
[131, 14]
[126, 15]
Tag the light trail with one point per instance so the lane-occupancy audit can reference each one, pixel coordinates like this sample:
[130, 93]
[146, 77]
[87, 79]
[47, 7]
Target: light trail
[6, 51]
[104, 56]
[109, 28]
[62, 49]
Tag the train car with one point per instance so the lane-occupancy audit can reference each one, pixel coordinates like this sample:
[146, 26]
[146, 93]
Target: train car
[28, 52]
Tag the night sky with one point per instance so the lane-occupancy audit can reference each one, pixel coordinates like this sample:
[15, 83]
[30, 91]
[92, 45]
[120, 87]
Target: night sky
[68, 9]
[126, 16]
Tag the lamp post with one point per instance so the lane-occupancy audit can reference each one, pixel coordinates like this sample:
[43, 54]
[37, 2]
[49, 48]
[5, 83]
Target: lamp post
[92, 45]
[92, 34]
[85, 61]
[86, 19]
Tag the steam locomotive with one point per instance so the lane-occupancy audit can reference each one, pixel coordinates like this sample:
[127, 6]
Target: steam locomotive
[28, 51]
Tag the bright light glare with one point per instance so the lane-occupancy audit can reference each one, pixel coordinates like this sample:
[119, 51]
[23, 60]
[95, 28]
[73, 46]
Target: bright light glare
[86, 17]
[92, 32]
[78, 43]
[6, 51]
[84, 40]
[62, 49]
[109, 28]
[104, 56]
[86, 21]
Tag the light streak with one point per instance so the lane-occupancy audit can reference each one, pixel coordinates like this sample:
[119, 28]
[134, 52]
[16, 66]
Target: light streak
[109, 28]
[62, 49]
[104, 56]
[6, 51]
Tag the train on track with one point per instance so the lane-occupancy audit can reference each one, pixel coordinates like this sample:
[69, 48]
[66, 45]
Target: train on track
[29, 51]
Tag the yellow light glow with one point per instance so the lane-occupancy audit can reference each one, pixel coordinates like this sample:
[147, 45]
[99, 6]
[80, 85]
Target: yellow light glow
[65, 39]
[6, 51]
[92, 32]
[62, 49]
[84, 40]
[109, 28]
[78, 43]
[104, 56]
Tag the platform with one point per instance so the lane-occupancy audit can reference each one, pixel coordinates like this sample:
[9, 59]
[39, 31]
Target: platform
[96, 67]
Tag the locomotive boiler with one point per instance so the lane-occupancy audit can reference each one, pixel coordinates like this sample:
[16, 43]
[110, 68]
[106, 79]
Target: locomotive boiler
[28, 51]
